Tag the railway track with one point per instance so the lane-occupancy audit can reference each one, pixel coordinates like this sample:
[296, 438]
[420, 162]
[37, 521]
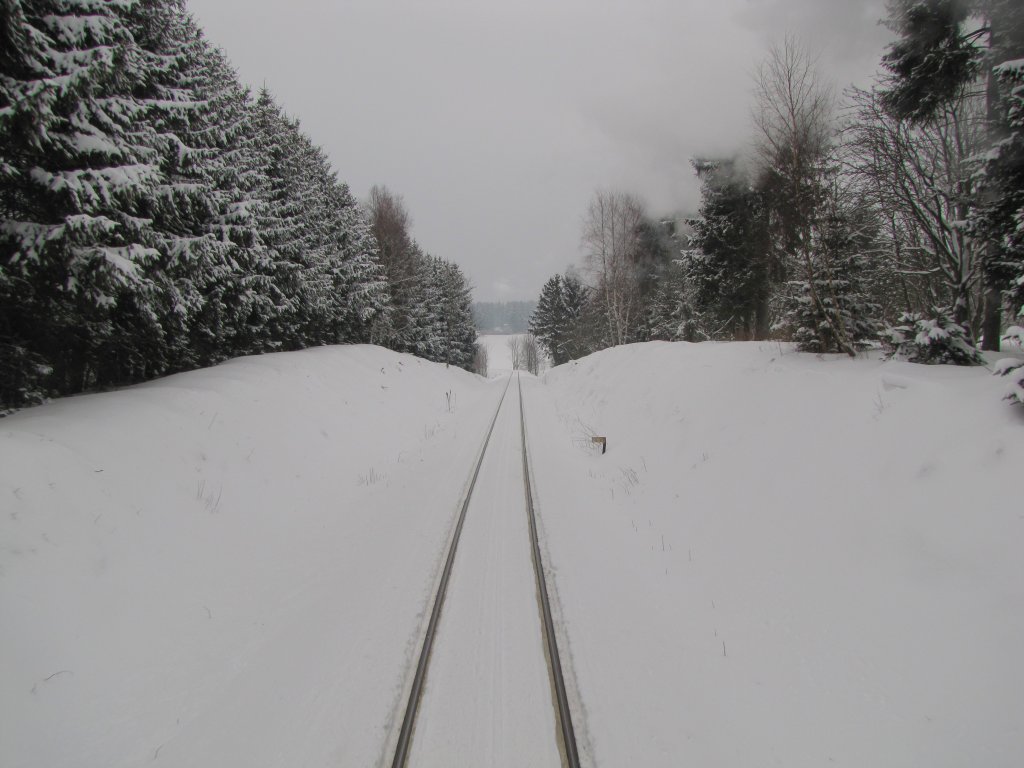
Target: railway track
[564, 735]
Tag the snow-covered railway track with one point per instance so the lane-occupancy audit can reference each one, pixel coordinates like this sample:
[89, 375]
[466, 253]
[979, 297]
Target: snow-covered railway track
[494, 658]
[567, 735]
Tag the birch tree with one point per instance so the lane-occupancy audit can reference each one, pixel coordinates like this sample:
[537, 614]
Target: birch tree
[611, 239]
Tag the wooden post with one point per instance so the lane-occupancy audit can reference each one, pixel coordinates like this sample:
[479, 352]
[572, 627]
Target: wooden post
[602, 441]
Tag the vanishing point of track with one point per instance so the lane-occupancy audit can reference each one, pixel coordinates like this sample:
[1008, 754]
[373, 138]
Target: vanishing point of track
[566, 735]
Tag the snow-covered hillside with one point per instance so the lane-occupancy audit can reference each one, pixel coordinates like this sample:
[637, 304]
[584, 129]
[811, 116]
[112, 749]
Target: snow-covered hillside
[780, 560]
[786, 560]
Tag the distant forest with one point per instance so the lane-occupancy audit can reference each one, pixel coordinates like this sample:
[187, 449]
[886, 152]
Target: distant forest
[503, 316]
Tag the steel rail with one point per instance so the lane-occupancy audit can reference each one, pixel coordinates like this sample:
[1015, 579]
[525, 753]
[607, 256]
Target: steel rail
[416, 693]
[568, 735]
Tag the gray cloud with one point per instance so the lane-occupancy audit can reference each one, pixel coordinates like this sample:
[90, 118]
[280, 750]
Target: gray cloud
[496, 121]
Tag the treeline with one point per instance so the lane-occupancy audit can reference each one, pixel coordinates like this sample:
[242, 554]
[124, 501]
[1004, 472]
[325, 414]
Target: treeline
[431, 307]
[503, 316]
[892, 214]
[155, 216]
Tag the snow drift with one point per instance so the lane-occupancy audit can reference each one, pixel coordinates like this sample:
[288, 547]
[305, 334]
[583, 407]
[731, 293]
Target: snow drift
[781, 560]
[785, 559]
[226, 567]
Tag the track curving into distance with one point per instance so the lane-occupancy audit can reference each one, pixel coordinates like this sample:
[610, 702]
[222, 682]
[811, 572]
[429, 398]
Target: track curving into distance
[485, 612]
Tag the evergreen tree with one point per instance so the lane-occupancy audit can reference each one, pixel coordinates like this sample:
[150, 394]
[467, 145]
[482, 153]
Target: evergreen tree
[830, 308]
[549, 323]
[185, 204]
[559, 323]
[312, 270]
[456, 314]
[672, 315]
[79, 163]
[732, 269]
[932, 60]
[240, 299]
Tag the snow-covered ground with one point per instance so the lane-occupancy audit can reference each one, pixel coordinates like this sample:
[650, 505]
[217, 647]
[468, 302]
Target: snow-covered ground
[227, 567]
[785, 560]
[781, 559]
[487, 698]
[499, 354]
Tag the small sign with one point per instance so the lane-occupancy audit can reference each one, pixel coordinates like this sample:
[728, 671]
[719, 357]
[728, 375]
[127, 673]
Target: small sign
[602, 441]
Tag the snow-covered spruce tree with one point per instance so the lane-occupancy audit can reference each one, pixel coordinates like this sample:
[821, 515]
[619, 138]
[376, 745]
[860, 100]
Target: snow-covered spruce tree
[359, 283]
[937, 339]
[418, 316]
[559, 321]
[584, 313]
[320, 277]
[733, 275]
[214, 160]
[458, 331]
[548, 323]
[671, 312]
[79, 162]
[829, 307]
[234, 318]
[343, 283]
[184, 93]
[656, 242]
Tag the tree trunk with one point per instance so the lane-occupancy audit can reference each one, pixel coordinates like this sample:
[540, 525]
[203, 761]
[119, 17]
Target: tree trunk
[761, 328]
[992, 319]
[991, 323]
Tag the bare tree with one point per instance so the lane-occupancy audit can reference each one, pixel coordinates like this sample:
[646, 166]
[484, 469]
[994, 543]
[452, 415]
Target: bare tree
[390, 223]
[920, 177]
[531, 354]
[611, 237]
[480, 359]
[515, 347]
[794, 120]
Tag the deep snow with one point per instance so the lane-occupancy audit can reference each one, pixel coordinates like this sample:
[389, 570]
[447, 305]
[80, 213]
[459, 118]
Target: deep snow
[227, 567]
[781, 560]
[487, 700]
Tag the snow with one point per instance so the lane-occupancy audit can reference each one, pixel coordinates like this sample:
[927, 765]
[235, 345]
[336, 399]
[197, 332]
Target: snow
[782, 559]
[1009, 67]
[487, 700]
[499, 356]
[227, 567]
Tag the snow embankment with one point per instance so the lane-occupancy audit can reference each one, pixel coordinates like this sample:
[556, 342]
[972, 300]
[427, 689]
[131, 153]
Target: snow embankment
[227, 567]
[784, 559]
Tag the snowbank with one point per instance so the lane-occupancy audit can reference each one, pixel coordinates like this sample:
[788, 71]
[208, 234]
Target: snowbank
[226, 567]
[784, 559]
[781, 559]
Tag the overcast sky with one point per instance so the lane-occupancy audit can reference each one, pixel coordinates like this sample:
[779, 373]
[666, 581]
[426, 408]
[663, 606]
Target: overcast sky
[496, 121]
